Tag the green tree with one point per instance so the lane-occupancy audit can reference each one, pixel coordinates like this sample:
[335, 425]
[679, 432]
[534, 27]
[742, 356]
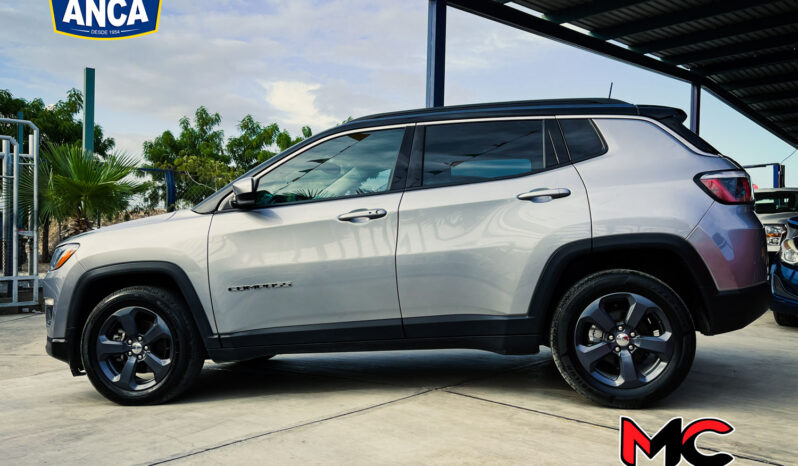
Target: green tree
[256, 142]
[79, 186]
[58, 123]
[202, 160]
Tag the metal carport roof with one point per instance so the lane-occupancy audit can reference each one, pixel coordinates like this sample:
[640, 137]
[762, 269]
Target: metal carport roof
[744, 52]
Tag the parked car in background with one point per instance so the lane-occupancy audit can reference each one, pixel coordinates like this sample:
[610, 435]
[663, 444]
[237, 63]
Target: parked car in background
[604, 230]
[774, 207]
[784, 279]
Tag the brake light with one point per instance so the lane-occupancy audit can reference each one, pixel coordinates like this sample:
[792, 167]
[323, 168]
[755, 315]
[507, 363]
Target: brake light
[728, 187]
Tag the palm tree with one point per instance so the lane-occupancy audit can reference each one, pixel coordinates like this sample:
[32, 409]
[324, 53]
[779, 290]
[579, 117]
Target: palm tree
[78, 186]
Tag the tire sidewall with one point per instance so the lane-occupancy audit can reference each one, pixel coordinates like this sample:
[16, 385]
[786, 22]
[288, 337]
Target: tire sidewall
[598, 285]
[167, 308]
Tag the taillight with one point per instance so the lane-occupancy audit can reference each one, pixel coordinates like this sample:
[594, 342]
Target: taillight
[728, 187]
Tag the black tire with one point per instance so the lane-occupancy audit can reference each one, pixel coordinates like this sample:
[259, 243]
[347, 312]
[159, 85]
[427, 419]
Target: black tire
[785, 320]
[164, 358]
[587, 356]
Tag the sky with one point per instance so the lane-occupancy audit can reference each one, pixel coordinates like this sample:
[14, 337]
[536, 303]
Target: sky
[306, 62]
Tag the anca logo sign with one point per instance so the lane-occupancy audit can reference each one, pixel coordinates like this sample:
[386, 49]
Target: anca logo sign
[105, 19]
[678, 443]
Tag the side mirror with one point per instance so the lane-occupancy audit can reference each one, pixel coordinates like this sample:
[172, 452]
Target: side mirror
[245, 193]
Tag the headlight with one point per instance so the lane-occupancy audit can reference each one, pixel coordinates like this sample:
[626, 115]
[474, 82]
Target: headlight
[789, 253]
[62, 254]
[774, 234]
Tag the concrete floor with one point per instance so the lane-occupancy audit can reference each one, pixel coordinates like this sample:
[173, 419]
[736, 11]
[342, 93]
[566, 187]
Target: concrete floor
[455, 406]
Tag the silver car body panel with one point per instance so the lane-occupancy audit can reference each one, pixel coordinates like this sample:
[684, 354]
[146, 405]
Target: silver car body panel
[478, 249]
[340, 271]
[730, 240]
[644, 183]
[179, 238]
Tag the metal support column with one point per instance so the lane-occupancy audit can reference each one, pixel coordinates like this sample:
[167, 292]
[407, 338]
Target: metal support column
[436, 52]
[21, 133]
[8, 229]
[778, 175]
[12, 221]
[88, 110]
[695, 107]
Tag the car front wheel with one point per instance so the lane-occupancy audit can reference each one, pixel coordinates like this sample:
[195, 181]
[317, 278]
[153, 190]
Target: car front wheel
[623, 338]
[140, 347]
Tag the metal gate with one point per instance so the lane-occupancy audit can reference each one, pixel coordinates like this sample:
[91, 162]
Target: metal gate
[20, 235]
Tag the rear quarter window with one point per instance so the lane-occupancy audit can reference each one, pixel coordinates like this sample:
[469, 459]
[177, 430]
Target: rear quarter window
[582, 138]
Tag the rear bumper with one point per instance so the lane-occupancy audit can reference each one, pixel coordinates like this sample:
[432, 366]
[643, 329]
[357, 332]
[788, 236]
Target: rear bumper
[732, 310]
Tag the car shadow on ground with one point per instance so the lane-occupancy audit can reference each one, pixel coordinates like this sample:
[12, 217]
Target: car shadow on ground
[718, 379]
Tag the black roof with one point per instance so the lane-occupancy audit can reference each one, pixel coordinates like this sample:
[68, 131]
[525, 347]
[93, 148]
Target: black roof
[594, 106]
[743, 51]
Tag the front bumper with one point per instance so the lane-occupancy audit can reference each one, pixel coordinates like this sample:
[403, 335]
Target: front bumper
[732, 310]
[58, 348]
[784, 289]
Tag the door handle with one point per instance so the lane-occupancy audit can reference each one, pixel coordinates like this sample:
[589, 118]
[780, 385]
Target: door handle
[544, 194]
[362, 213]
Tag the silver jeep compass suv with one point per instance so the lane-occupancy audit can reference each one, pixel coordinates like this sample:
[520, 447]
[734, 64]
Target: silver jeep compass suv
[603, 230]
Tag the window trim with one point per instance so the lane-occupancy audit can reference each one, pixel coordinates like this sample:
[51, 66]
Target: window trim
[415, 175]
[397, 182]
[420, 125]
[687, 144]
[598, 132]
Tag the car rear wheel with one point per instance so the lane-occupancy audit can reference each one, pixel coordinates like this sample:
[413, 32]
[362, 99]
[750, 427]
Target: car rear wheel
[622, 338]
[785, 320]
[140, 347]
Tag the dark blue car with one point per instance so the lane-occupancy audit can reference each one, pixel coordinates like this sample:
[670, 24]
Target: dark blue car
[784, 281]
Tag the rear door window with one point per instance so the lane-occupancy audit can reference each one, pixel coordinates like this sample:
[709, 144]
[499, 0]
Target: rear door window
[582, 138]
[472, 152]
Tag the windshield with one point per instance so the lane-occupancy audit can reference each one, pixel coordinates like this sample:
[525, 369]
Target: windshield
[775, 203]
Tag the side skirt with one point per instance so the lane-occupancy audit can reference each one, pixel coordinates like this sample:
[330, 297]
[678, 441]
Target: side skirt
[509, 344]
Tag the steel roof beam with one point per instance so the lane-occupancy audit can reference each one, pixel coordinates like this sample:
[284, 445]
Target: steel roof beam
[769, 97]
[707, 35]
[584, 10]
[539, 26]
[527, 22]
[757, 82]
[780, 111]
[733, 49]
[671, 19]
[744, 63]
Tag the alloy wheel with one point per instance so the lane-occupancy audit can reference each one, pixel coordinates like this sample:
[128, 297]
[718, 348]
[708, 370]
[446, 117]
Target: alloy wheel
[624, 340]
[135, 348]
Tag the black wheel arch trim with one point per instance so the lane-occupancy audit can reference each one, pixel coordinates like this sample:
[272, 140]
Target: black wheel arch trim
[543, 300]
[185, 287]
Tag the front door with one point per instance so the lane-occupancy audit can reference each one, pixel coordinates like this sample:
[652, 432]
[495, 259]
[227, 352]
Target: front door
[314, 262]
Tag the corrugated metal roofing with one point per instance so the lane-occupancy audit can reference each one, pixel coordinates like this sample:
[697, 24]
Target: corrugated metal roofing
[744, 51]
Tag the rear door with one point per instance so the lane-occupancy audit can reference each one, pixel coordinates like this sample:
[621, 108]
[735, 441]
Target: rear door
[488, 202]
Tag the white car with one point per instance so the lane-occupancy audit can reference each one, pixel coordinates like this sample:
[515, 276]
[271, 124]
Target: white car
[774, 207]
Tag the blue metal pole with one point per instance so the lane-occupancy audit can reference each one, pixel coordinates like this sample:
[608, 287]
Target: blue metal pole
[776, 175]
[88, 110]
[171, 191]
[436, 52]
